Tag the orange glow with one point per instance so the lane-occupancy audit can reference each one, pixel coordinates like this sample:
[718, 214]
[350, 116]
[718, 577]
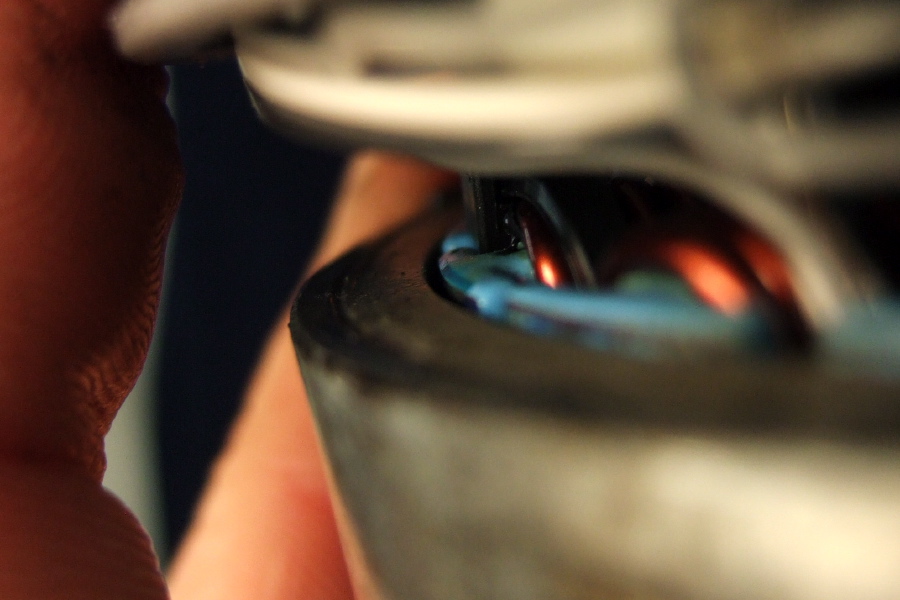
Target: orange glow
[710, 276]
[768, 265]
[547, 273]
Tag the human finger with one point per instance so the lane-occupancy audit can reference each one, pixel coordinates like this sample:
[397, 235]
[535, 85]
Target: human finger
[89, 179]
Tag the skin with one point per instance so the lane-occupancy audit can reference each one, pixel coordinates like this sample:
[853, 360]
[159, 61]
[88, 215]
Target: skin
[89, 184]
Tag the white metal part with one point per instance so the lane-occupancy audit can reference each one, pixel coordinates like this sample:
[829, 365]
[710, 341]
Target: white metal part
[153, 30]
[507, 109]
[734, 79]
[522, 78]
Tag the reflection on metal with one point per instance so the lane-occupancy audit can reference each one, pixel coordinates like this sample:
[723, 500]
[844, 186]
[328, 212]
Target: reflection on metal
[550, 266]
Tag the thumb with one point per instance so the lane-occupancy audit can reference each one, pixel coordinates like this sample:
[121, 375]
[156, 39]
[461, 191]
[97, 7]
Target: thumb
[88, 184]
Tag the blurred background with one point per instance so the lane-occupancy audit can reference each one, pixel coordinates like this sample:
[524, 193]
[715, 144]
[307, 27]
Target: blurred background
[252, 212]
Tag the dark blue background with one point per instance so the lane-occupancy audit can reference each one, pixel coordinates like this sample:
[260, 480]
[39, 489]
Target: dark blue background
[253, 207]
